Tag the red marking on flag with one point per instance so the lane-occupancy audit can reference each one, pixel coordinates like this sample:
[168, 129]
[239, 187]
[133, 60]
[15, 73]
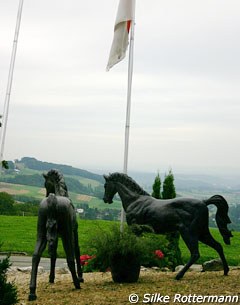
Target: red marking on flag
[128, 25]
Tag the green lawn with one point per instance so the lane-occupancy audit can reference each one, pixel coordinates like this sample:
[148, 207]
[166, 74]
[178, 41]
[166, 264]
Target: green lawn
[232, 252]
[18, 233]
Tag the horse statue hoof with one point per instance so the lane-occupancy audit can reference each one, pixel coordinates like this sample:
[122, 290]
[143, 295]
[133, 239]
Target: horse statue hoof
[77, 284]
[178, 277]
[32, 297]
[81, 279]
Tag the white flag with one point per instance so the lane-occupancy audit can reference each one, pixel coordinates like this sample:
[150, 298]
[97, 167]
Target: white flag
[122, 26]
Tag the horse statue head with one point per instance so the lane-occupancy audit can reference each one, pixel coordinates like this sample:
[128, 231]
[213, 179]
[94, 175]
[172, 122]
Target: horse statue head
[54, 183]
[111, 186]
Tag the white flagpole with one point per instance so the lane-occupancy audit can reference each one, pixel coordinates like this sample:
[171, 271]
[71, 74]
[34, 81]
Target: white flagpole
[10, 78]
[129, 95]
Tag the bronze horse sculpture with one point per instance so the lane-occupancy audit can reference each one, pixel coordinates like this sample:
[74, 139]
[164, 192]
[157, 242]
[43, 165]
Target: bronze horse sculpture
[56, 217]
[186, 215]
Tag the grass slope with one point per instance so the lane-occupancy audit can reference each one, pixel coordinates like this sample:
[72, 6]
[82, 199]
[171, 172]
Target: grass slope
[19, 234]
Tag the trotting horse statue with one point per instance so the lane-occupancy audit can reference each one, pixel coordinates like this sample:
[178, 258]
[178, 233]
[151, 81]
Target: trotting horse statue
[56, 216]
[188, 216]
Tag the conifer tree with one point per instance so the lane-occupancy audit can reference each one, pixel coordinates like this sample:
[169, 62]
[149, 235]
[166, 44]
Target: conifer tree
[169, 191]
[157, 187]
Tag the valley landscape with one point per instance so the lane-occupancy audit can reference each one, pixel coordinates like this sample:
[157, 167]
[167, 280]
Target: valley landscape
[25, 183]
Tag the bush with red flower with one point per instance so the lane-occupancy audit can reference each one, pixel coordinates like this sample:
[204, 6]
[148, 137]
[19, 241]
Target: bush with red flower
[86, 262]
[159, 254]
[85, 258]
[152, 250]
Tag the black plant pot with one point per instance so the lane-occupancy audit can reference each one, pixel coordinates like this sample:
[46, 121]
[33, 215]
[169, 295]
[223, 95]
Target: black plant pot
[125, 269]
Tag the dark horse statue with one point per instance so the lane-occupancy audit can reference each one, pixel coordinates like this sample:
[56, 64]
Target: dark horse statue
[56, 216]
[186, 215]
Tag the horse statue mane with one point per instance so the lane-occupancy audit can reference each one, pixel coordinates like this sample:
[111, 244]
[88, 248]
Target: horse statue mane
[57, 178]
[128, 181]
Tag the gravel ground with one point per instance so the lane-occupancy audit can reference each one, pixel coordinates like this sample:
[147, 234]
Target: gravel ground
[99, 289]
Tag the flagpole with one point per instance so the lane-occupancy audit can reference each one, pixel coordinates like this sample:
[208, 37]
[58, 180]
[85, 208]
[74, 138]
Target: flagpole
[128, 110]
[9, 83]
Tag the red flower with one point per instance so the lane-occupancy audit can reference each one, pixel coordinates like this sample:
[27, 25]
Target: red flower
[159, 254]
[85, 258]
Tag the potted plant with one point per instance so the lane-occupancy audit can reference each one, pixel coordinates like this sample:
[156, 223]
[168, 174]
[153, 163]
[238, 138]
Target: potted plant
[118, 251]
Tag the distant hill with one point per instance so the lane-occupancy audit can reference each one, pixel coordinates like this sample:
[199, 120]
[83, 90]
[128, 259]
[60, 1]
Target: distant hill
[84, 182]
[35, 164]
[188, 182]
[28, 172]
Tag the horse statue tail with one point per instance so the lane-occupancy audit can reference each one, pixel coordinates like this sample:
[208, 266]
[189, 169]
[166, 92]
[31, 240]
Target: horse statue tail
[222, 218]
[51, 224]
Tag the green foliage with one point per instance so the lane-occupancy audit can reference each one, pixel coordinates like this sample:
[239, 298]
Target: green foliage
[152, 243]
[157, 187]
[33, 180]
[26, 209]
[175, 255]
[168, 186]
[6, 204]
[234, 214]
[168, 191]
[9, 207]
[155, 242]
[108, 245]
[8, 292]
[5, 164]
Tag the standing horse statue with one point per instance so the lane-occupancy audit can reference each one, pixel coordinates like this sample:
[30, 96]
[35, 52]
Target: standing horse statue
[186, 215]
[56, 216]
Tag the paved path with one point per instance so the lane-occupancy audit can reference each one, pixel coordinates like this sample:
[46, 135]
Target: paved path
[26, 261]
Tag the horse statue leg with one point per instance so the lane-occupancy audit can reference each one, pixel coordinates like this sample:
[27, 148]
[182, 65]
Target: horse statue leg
[39, 248]
[77, 256]
[191, 241]
[53, 263]
[68, 245]
[208, 239]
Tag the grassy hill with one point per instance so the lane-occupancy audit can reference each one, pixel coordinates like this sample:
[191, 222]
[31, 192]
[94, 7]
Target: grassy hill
[34, 164]
[25, 182]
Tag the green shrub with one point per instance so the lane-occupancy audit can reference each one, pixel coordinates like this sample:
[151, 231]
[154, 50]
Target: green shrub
[8, 292]
[155, 244]
[148, 248]
[105, 245]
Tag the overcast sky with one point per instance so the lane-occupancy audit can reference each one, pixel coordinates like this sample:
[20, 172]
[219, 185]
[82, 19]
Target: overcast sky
[66, 108]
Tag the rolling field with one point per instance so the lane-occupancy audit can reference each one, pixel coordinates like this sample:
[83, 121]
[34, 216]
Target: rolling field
[38, 194]
[18, 234]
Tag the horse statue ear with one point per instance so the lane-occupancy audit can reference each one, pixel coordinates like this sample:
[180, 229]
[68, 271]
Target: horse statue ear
[44, 176]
